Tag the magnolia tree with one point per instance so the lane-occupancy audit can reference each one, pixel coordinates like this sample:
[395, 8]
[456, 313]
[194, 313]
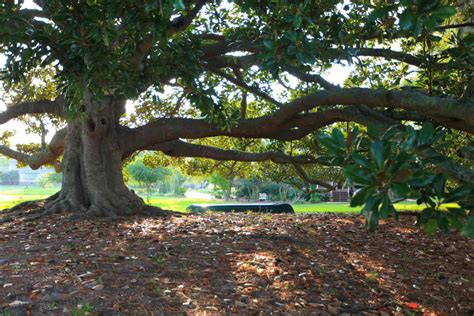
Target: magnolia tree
[249, 69]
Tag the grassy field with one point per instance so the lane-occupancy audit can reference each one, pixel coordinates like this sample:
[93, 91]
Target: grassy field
[11, 195]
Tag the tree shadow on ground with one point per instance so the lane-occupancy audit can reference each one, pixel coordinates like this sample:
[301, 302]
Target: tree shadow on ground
[241, 263]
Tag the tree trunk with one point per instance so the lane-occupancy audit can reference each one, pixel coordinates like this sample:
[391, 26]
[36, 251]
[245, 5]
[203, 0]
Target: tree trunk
[228, 192]
[93, 183]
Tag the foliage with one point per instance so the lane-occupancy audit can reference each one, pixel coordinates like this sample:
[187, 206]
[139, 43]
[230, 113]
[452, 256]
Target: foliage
[50, 179]
[3, 162]
[400, 162]
[173, 184]
[10, 177]
[250, 189]
[146, 175]
[220, 184]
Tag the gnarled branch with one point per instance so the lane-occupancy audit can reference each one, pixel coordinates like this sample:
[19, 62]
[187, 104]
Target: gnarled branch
[438, 107]
[32, 107]
[179, 148]
[48, 155]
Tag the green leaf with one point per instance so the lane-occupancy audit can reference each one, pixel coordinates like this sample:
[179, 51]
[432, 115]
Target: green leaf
[297, 21]
[400, 189]
[179, 5]
[430, 226]
[468, 230]
[371, 204]
[430, 24]
[338, 137]
[386, 208]
[454, 221]
[268, 44]
[372, 220]
[443, 13]
[328, 142]
[373, 131]
[459, 193]
[439, 183]
[422, 181]
[362, 161]
[378, 13]
[362, 196]
[377, 149]
[408, 144]
[443, 222]
[390, 133]
[426, 133]
[407, 20]
[358, 175]
[418, 27]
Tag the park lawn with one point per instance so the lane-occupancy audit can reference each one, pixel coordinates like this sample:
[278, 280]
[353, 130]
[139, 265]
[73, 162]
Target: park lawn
[180, 204]
[12, 195]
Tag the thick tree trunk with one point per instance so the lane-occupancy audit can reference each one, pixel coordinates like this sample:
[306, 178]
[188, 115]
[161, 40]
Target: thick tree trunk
[92, 167]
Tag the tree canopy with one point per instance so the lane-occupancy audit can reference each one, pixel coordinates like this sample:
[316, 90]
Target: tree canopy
[252, 69]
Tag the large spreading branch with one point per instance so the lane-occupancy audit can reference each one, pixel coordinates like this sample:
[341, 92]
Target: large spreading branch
[225, 46]
[296, 127]
[32, 107]
[289, 118]
[440, 107]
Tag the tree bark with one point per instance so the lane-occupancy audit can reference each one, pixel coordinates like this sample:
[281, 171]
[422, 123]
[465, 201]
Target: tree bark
[228, 192]
[93, 184]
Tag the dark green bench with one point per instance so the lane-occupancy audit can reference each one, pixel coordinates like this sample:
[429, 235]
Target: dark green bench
[274, 208]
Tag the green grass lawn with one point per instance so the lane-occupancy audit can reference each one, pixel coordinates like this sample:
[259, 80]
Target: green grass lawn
[11, 195]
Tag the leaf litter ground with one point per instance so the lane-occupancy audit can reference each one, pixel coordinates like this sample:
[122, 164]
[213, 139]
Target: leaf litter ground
[232, 263]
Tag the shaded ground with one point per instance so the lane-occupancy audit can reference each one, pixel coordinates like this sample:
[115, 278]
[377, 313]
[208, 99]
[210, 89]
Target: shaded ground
[323, 263]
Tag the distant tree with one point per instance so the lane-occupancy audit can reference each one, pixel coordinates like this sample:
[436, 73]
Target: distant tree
[52, 178]
[173, 184]
[220, 185]
[3, 162]
[10, 177]
[146, 176]
[250, 189]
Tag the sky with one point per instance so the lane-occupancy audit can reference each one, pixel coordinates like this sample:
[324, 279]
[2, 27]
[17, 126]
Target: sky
[336, 75]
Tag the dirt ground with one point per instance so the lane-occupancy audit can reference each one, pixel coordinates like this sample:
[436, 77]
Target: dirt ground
[324, 264]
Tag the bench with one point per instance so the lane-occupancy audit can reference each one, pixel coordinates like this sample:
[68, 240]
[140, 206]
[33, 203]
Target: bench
[274, 208]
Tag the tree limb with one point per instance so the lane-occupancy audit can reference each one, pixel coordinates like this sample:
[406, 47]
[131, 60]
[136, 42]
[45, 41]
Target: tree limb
[227, 46]
[32, 107]
[310, 78]
[456, 26]
[177, 25]
[179, 148]
[243, 85]
[46, 156]
[304, 176]
[439, 107]
[167, 129]
[182, 22]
